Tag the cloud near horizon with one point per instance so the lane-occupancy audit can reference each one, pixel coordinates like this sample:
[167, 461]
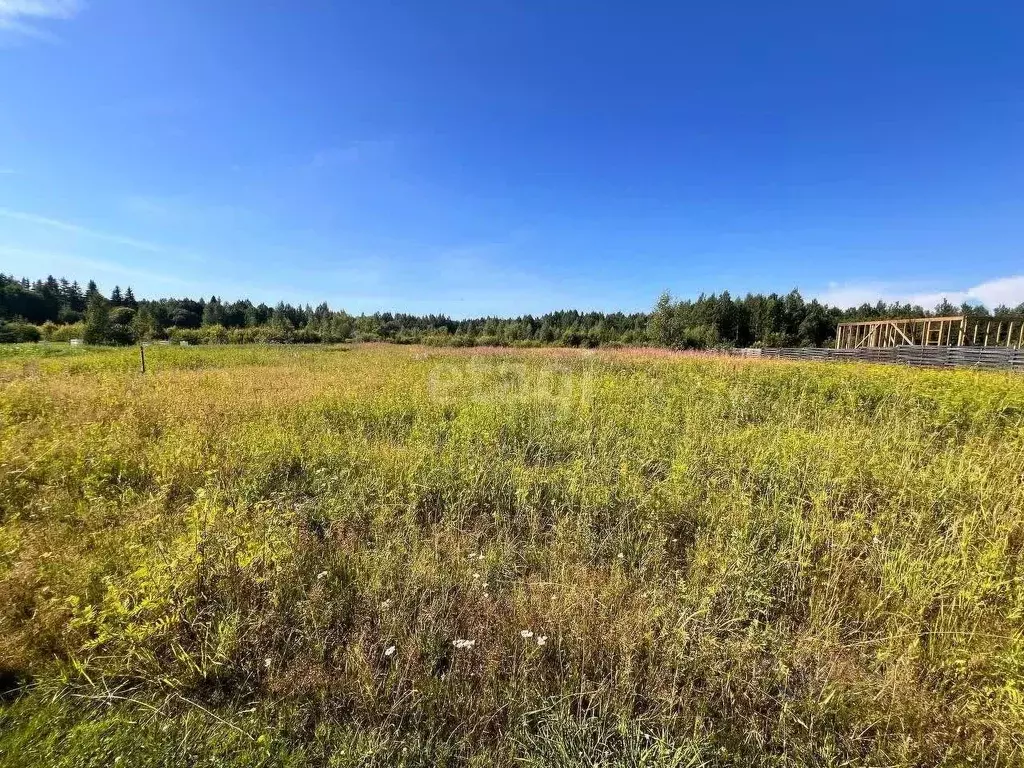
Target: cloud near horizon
[1000, 291]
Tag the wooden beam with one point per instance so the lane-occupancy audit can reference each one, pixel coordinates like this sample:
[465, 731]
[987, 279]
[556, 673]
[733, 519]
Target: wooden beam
[901, 333]
[953, 330]
[869, 337]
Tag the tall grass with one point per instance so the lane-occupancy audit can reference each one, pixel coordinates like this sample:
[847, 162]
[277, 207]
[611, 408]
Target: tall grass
[268, 555]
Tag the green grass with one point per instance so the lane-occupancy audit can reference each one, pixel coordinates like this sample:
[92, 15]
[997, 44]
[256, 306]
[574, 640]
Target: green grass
[732, 562]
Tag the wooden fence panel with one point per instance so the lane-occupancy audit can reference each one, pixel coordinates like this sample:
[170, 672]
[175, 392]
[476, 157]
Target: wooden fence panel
[988, 358]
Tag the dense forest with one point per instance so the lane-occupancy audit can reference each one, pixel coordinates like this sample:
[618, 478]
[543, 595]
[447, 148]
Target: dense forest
[58, 310]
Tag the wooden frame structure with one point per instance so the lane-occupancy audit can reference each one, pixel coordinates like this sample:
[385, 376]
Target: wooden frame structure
[953, 331]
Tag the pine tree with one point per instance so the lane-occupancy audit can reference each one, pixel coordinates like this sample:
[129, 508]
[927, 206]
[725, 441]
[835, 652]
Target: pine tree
[97, 319]
[213, 312]
[144, 325]
[129, 299]
[75, 297]
[115, 296]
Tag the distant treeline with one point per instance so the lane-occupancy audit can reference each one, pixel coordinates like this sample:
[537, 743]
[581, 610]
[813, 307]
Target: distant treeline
[58, 310]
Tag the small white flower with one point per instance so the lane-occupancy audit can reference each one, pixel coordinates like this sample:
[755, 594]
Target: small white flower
[464, 644]
[621, 555]
[321, 575]
[526, 634]
[542, 640]
[476, 575]
[389, 651]
[386, 604]
[266, 662]
[486, 594]
[876, 540]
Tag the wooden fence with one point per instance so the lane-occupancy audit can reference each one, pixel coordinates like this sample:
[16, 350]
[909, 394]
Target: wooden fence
[989, 358]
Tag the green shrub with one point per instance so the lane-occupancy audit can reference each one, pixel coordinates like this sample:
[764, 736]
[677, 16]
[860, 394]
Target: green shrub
[15, 331]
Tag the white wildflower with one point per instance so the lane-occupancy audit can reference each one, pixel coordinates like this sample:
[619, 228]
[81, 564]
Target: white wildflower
[267, 662]
[526, 634]
[389, 651]
[321, 575]
[476, 575]
[621, 555]
[464, 644]
[542, 640]
[876, 540]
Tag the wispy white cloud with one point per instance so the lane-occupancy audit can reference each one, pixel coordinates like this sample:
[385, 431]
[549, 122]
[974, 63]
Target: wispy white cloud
[468, 261]
[23, 17]
[65, 226]
[475, 279]
[184, 210]
[353, 153]
[1008, 291]
[60, 262]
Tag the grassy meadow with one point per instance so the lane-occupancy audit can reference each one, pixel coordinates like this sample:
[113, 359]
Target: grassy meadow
[395, 556]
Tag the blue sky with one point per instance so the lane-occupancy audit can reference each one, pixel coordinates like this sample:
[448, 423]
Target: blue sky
[507, 157]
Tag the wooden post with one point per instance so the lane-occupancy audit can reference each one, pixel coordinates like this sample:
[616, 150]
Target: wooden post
[1009, 335]
[142, 358]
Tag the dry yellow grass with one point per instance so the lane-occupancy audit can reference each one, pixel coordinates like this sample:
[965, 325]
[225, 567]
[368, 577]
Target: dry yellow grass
[267, 555]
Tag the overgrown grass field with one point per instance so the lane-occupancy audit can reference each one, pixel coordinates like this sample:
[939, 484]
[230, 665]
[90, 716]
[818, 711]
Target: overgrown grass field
[392, 556]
